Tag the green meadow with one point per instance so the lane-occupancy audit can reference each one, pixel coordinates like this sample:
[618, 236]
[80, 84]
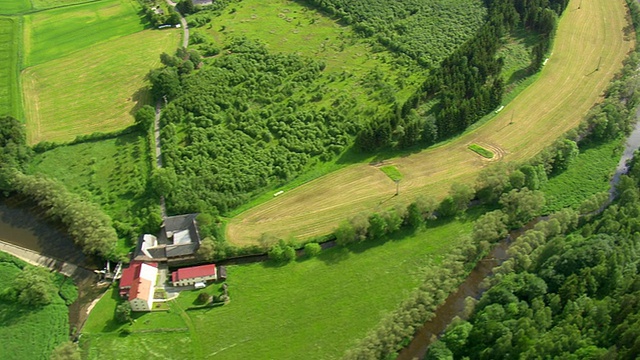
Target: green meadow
[8, 7]
[9, 88]
[59, 32]
[589, 174]
[318, 307]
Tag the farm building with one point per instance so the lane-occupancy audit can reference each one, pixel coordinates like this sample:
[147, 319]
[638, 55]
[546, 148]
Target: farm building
[178, 238]
[194, 275]
[137, 284]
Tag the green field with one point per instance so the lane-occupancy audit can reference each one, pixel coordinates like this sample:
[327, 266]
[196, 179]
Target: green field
[102, 88]
[8, 7]
[589, 174]
[9, 45]
[558, 100]
[318, 307]
[60, 32]
[29, 333]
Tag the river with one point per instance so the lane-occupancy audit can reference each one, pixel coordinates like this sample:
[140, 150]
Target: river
[20, 224]
[454, 305]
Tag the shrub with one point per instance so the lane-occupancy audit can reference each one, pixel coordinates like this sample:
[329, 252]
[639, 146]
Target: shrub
[312, 249]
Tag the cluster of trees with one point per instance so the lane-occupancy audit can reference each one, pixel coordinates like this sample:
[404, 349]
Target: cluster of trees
[89, 227]
[158, 13]
[241, 123]
[425, 30]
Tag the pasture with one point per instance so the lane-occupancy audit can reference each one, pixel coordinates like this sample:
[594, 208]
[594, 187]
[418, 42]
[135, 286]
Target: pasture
[317, 307]
[564, 91]
[102, 88]
[9, 47]
[46, 4]
[57, 33]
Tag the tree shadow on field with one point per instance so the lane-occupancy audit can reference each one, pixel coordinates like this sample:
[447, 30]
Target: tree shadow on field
[334, 255]
[141, 98]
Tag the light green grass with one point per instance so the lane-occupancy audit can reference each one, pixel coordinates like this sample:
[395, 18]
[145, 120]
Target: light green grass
[112, 173]
[60, 32]
[588, 175]
[8, 7]
[314, 308]
[9, 47]
[29, 333]
[98, 89]
[481, 151]
[392, 172]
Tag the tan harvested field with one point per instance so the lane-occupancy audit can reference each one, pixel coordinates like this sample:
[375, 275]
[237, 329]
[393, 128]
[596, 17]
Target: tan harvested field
[96, 89]
[566, 89]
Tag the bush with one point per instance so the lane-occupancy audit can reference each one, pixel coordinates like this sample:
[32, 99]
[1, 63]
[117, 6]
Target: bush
[312, 249]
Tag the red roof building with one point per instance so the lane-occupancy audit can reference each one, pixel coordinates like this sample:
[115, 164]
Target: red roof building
[192, 275]
[129, 276]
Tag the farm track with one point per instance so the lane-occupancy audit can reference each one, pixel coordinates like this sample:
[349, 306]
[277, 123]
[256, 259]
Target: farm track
[566, 89]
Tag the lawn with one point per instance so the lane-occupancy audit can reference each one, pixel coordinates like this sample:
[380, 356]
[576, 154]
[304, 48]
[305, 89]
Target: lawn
[562, 94]
[9, 45]
[60, 32]
[27, 333]
[589, 174]
[8, 7]
[315, 308]
[112, 173]
[103, 86]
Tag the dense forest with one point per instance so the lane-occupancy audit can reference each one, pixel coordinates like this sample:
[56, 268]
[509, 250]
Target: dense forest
[427, 31]
[577, 296]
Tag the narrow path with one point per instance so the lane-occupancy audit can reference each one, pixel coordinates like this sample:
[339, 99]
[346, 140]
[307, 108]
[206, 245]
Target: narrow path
[185, 26]
[37, 259]
[156, 131]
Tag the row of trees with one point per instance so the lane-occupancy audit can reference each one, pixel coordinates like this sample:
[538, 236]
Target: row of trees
[468, 83]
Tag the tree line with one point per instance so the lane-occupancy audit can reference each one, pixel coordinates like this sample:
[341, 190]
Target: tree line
[467, 84]
[88, 225]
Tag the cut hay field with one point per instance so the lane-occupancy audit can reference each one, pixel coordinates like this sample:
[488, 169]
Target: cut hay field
[565, 90]
[102, 87]
[312, 309]
[9, 88]
[56, 33]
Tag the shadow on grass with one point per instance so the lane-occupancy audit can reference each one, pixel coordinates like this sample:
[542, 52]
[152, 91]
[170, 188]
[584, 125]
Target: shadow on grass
[112, 324]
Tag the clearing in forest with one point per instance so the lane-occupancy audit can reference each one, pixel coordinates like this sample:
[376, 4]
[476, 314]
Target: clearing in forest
[103, 86]
[9, 89]
[566, 89]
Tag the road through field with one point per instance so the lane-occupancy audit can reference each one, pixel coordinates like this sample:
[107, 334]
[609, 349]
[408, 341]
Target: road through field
[588, 38]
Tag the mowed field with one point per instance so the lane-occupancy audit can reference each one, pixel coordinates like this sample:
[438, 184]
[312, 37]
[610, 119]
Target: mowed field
[308, 309]
[97, 90]
[566, 89]
[8, 7]
[55, 33]
[9, 88]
